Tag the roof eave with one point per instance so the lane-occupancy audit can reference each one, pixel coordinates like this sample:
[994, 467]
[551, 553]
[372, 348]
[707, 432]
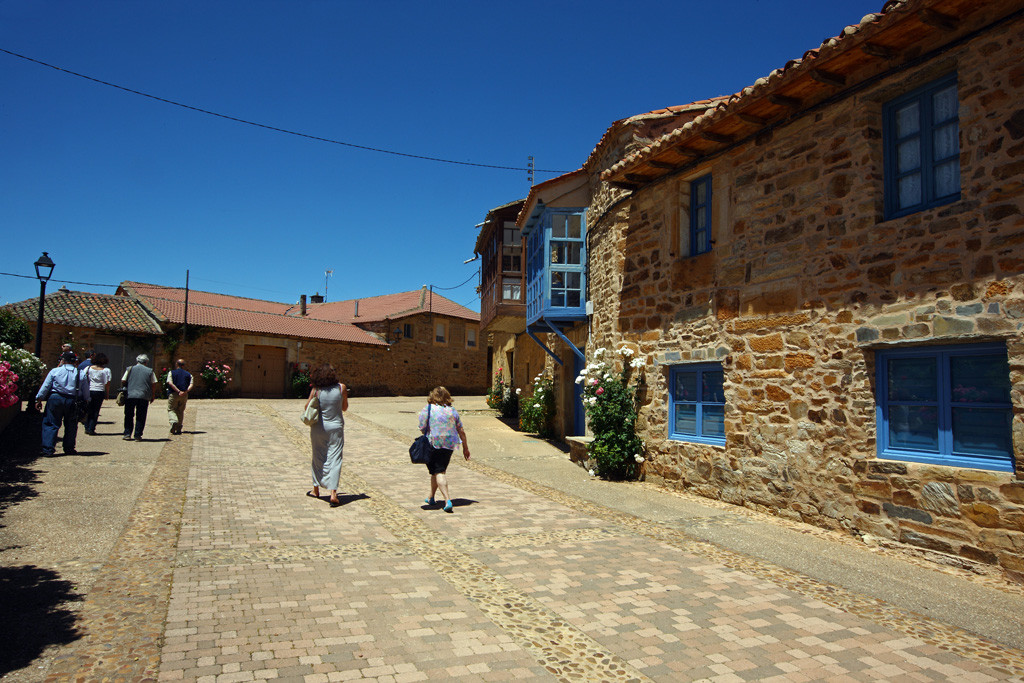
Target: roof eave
[771, 101]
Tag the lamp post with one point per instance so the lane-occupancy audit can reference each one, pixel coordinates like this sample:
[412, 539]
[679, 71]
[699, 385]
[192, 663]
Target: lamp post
[44, 269]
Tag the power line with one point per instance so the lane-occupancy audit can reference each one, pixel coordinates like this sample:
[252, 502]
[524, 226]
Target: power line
[65, 282]
[445, 289]
[274, 128]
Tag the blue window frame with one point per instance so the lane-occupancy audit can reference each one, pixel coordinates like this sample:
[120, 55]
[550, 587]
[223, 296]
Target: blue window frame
[946, 405]
[556, 265]
[700, 215]
[921, 139]
[698, 404]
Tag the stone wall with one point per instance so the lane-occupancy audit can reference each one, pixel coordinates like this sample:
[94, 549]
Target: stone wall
[804, 284]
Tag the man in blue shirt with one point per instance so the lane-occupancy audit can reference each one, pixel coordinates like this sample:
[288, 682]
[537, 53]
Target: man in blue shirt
[179, 383]
[88, 360]
[61, 389]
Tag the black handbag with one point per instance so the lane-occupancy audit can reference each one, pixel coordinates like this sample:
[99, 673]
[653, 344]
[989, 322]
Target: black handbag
[421, 450]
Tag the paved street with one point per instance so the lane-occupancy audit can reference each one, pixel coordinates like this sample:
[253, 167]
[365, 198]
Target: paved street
[201, 559]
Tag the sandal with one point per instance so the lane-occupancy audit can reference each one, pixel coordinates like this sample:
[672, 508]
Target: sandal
[335, 503]
[311, 495]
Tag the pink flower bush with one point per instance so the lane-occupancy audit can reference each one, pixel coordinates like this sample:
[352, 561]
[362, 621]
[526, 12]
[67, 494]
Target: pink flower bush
[8, 386]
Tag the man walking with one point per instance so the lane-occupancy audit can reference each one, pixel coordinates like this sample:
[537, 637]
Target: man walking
[140, 381]
[61, 390]
[179, 383]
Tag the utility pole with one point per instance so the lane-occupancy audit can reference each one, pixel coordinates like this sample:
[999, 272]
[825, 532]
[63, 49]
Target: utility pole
[184, 326]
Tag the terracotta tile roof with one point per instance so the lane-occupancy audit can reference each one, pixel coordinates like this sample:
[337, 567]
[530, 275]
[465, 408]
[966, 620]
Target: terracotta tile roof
[388, 306]
[242, 314]
[813, 64]
[105, 312]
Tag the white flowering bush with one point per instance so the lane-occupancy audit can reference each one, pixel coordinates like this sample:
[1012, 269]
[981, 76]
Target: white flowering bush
[537, 408]
[610, 402]
[29, 369]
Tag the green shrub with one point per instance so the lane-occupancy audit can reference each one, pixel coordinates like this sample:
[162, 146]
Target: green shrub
[216, 378]
[610, 403]
[13, 330]
[300, 384]
[498, 392]
[537, 409]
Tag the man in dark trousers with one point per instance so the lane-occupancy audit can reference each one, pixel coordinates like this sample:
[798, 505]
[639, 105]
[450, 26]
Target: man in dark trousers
[61, 390]
[179, 383]
[140, 381]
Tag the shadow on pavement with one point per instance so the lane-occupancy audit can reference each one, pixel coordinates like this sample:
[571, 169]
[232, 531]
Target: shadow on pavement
[456, 502]
[34, 615]
[351, 498]
[20, 443]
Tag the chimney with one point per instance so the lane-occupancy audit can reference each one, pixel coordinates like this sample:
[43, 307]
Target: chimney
[316, 298]
[357, 309]
[302, 305]
[423, 296]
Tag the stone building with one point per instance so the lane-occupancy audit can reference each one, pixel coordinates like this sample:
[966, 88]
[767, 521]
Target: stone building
[404, 343]
[824, 275]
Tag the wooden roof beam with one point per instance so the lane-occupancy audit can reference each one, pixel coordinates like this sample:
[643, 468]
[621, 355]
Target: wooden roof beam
[624, 185]
[876, 50]
[686, 151]
[716, 137]
[828, 78]
[636, 178]
[750, 118]
[665, 166]
[938, 20]
[785, 101]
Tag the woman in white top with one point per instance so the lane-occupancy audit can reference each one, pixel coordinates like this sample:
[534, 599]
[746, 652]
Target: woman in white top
[99, 388]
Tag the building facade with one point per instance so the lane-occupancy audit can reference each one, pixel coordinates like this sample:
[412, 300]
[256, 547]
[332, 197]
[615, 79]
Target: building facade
[824, 274]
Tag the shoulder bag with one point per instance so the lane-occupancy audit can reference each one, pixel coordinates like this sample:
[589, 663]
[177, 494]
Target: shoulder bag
[122, 396]
[81, 405]
[421, 450]
[311, 415]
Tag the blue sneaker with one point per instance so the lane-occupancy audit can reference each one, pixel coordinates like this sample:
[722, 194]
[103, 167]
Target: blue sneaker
[448, 506]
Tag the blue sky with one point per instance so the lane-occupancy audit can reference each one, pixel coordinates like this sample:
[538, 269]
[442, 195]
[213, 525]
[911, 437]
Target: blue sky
[116, 186]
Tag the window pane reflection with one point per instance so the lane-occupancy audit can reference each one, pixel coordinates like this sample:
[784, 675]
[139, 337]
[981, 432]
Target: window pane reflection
[914, 428]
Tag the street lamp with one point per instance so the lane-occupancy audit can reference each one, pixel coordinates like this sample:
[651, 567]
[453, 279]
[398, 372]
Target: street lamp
[44, 269]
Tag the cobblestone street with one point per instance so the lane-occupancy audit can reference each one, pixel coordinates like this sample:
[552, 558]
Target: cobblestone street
[225, 570]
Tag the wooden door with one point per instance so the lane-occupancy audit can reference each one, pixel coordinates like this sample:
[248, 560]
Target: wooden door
[263, 372]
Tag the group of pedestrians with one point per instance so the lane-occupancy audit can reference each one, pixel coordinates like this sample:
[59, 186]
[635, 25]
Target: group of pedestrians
[438, 420]
[74, 392]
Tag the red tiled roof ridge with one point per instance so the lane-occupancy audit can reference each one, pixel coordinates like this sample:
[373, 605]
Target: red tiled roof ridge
[193, 290]
[321, 310]
[109, 312]
[870, 23]
[64, 292]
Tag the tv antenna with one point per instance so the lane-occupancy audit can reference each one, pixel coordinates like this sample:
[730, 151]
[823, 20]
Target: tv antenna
[529, 169]
[327, 277]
